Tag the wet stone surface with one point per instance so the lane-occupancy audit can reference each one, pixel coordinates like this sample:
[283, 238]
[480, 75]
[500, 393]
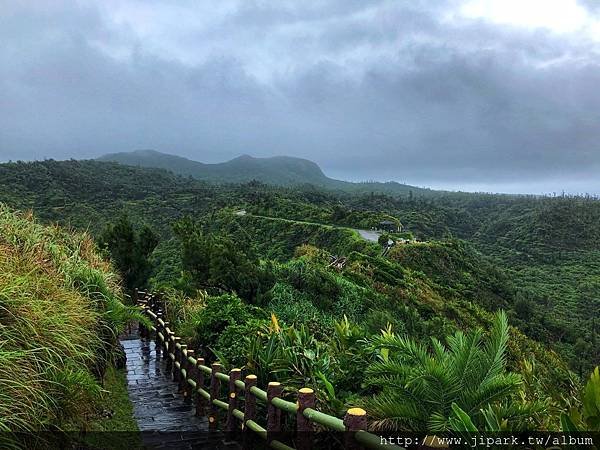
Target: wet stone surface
[165, 420]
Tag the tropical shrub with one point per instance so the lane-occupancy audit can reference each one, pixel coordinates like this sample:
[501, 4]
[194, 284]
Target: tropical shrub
[423, 389]
[218, 313]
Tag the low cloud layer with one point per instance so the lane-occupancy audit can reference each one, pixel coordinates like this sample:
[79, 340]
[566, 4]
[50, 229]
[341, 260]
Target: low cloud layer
[448, 93]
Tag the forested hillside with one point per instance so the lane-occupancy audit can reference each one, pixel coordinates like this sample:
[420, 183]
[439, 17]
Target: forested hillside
[281, 170]
[285, 267]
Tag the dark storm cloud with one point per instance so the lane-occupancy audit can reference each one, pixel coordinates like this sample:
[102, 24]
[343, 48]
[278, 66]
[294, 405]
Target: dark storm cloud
[367, 89]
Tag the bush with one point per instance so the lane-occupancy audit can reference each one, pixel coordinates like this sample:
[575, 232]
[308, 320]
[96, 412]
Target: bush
[61, 311]
[295, 308]
[218, 314]
[231, 348]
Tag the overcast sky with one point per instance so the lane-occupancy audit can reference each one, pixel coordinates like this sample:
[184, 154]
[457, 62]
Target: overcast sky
[494, 95]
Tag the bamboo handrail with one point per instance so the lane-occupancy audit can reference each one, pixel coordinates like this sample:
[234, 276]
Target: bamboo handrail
[186, 367]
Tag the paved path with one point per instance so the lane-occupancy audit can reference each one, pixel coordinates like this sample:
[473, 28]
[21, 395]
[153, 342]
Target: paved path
[165, 420]
[369, 235]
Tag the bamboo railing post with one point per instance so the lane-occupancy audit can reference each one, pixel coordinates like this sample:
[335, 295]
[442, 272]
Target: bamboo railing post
[159, 329]
[142, 328]
[354, 420]
[234, 375]
[304, 429]
[167, 351]
[200, 401]
[167, 336]
[151, 302]
[190, 371]
[215, 387]
[174, 371]
[147, 307]
[182, 358]
[249, 410]
[274, 389]
[147, 330]
[169, 345]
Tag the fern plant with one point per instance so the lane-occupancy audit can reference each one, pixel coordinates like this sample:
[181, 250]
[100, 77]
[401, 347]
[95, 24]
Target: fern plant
[418, 386]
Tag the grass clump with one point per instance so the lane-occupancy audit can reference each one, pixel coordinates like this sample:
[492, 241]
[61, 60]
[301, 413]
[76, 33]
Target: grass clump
[60, 314]
[116, 427]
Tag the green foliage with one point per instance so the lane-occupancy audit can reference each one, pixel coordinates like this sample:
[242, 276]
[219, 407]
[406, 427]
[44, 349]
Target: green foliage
[296, 307]
[279, 238]
[296, 357]
[61, 309]
[383, 239]
[293, 356]
[212, 318]
[130, 251]
[460, 420]
[587, 418]
[218, 262]
[232, 343]
[419, 386]
[535, 257]
[591, 401]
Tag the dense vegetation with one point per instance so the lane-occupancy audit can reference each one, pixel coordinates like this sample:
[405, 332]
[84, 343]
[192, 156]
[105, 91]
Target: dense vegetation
[60, 312]
[256, 261]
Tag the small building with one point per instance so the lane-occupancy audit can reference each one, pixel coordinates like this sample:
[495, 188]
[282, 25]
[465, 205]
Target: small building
[389, 226]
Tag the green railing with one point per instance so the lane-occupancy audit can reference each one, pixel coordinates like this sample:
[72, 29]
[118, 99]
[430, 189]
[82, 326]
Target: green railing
[202, 385]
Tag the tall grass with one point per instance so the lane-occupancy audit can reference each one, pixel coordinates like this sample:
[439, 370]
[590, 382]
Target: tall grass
[60, 313]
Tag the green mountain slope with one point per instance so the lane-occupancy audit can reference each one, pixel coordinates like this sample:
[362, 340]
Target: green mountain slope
[276, 170]
[280, 170]
[552, 263]
[422, 289]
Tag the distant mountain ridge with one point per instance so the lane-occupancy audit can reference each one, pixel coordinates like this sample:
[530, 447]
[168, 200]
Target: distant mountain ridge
[280, 170]
[277, 170]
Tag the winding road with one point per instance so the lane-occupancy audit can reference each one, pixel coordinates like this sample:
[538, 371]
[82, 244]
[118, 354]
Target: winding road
[367, 235]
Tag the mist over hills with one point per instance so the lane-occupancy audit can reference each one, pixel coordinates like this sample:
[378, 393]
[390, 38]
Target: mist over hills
[276, 170]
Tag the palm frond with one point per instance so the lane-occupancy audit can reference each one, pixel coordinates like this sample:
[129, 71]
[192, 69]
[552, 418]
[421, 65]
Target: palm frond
[466, 355]
[406, 348]
[493, 390]
[495, 349]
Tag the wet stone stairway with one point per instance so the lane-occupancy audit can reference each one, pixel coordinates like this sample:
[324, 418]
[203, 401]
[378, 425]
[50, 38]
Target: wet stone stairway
[163, 417]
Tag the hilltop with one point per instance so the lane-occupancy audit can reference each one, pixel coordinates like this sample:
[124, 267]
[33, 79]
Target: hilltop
[275, 170]
[280, 170]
